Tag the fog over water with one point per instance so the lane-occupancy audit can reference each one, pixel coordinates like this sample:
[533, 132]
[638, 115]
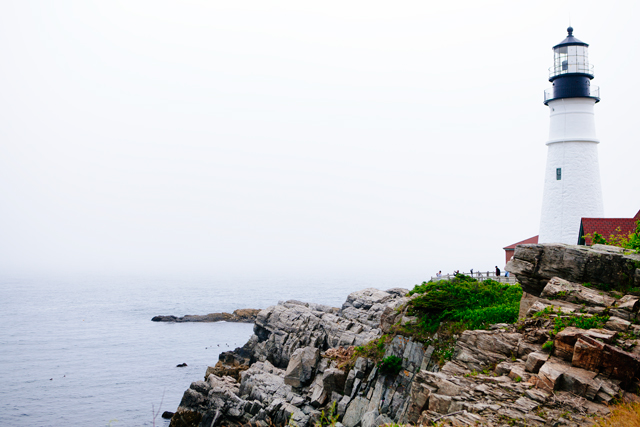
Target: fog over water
[165, 157]
[261, 139]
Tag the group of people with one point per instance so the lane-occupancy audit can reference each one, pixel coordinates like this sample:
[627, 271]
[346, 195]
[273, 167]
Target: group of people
[455, 273]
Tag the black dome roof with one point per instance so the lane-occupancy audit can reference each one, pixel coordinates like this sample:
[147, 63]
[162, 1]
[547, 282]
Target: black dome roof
[570, 40]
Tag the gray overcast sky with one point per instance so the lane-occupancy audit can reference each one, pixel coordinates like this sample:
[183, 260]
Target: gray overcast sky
[261, 137]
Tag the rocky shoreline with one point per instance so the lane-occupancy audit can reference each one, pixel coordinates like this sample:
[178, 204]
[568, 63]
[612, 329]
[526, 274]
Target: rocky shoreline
[300, 365]
[243, 315]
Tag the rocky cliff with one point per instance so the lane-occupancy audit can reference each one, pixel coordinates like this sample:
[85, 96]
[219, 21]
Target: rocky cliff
[572, 353]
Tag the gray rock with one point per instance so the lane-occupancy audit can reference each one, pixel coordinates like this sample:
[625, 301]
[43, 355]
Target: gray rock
[301, 366]
[341, 407]
[318, 396]
[263, 382]
[369, 418]
[565, 290]
[478, 349]
[282, 329]
[525, 304]
[629, 303]
[617, 324]
[355, 411]
[535, 361]
[382, 420]
[535, 265]
[439, 403]
[333, 380]
[537, 395]
[348, 385]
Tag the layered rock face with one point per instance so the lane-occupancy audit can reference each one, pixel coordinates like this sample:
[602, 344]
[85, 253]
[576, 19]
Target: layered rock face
[535, 265]
[546, 370]
[282, 329]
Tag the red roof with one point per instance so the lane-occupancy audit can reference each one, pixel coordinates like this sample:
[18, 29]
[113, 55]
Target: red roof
[533, 239]
[607, 227]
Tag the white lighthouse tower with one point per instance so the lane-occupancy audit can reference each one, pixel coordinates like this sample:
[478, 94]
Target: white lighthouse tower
[572, 177]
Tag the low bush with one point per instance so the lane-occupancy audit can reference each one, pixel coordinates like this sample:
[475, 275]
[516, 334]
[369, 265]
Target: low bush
[463, 299]
[390, 365]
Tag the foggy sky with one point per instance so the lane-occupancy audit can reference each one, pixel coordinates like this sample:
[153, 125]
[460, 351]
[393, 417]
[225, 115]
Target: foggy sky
[262, 138]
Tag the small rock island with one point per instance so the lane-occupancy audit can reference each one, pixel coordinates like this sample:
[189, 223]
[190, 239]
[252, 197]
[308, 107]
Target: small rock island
[243, 315]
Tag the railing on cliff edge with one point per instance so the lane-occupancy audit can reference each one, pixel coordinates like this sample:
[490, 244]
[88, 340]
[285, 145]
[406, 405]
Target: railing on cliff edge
[480, 276]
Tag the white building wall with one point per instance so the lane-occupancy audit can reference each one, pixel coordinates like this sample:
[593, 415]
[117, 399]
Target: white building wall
[573, 147]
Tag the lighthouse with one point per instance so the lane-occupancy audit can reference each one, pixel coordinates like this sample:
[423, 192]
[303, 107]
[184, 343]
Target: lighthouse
[572, 177]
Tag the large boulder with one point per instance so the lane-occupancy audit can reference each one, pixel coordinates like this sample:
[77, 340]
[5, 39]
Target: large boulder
[355, 411]
[333, 379]
[575, 293]
[301, 366]
[535, 264]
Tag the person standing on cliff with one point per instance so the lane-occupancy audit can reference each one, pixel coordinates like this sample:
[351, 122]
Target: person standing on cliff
[497, 271]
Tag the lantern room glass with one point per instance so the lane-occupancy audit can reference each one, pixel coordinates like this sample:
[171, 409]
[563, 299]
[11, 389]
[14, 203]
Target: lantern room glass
[570, 59]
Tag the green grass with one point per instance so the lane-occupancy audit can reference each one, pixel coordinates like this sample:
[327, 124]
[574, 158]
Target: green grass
[463, 299]
[583, 322]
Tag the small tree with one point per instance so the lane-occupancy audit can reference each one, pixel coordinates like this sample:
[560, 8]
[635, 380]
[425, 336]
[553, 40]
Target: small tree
[390, 365]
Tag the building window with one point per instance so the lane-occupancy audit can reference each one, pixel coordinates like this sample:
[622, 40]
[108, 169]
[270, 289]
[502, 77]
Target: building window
[559, 174]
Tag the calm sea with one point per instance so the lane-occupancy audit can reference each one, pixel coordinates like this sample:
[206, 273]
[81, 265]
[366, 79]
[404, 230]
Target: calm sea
[83, 351]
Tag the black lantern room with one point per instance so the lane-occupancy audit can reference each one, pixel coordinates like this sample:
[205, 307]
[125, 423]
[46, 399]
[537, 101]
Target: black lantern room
[571, 73]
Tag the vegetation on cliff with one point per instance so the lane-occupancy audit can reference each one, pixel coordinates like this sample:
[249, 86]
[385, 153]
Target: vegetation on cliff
[627, 241]
[622, 415]
[442, 310]
[474, 304]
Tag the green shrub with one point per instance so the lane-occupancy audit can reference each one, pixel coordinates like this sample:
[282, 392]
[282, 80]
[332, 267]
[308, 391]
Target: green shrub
[372, 350]
[464, 299]
[390, 365]
[548, 346]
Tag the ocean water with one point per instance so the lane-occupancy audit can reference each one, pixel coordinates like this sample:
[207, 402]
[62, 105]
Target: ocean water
[83, 351]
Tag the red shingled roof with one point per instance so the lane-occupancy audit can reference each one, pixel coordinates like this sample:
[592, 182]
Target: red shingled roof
[533, 239]
[606, 227]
